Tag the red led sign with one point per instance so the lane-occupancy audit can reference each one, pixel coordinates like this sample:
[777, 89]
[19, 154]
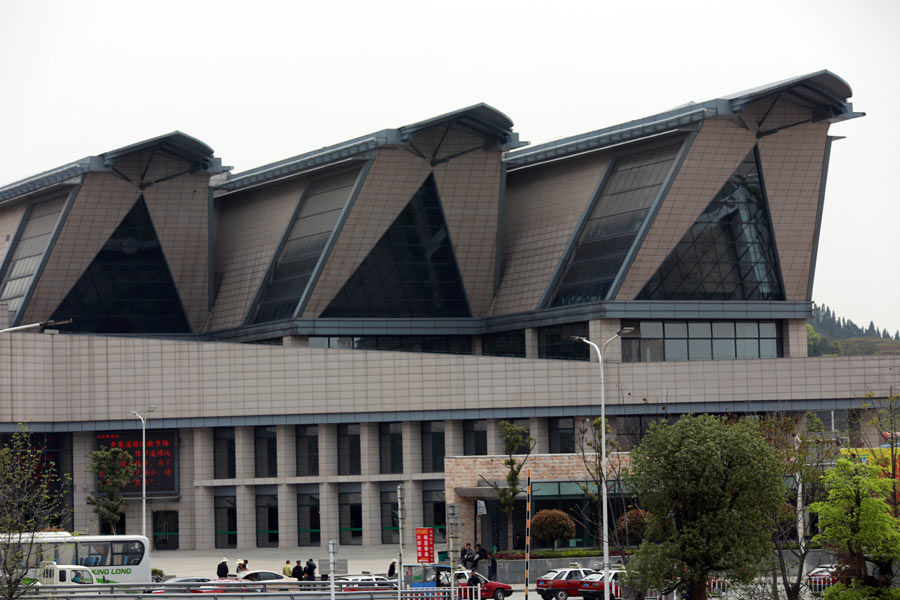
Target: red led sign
[162, 458]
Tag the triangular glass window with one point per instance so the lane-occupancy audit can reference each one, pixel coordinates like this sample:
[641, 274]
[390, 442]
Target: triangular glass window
[411, 272]
[128, 287]
[615, 220]
[729, 251]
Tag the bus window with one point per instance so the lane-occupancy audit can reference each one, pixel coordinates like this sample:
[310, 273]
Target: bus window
[127, 553]
[63, 553]
[93, 554]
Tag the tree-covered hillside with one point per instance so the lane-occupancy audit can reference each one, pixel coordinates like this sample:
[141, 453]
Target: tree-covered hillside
[830, 335]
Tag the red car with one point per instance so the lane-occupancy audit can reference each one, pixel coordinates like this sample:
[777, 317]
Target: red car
[592, 586]
[489, 589]
[562, 583]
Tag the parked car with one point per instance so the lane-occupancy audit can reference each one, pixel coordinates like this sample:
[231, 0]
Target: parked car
[592, 586]
[184, 588]
[494, 590]
[562, 583]
[227, 585]
[822, 577]
[263, 576]
[364, 583]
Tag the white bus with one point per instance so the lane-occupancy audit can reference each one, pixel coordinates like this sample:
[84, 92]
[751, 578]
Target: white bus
[110, 558]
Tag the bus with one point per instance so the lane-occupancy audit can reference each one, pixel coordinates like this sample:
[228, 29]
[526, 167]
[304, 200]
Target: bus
[110, 558]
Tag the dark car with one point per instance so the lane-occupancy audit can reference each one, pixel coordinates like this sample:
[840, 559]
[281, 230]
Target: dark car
[562, 583]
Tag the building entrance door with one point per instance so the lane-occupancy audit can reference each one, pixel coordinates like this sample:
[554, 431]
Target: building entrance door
[165, 530]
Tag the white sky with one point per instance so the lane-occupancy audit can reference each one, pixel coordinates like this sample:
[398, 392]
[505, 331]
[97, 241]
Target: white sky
[261, 81]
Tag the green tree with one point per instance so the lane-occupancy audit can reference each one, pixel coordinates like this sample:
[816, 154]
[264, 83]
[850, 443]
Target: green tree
[114, 469]
[709, 486]
[514, 439]
[856, 519]
[31, 500]
[819, 345]
[553, 524]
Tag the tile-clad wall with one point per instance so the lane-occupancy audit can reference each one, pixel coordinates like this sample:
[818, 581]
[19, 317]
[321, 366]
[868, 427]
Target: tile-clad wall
[469, 189]
[202, 379]
[249, 227]
[10, 217]
[794, 338]
[718, 149]
[391, 183]
[101, 204]
[792, 163]
[179, 210]
[542, 208]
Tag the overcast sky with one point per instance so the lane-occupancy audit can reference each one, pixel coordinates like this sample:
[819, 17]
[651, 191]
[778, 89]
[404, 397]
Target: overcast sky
[261, 81]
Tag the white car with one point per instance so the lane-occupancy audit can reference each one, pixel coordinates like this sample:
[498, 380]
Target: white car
[263, 576]
[358, 583]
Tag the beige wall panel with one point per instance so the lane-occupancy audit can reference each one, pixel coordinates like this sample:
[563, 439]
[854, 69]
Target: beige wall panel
[393, 179]
[717, 150]
[792, 170]
[249, 227]
[10, 218]
[179, 209]
[457, 141]
[541, 209]
[101, 204]
[469, 187]
[780, 114]
[92, 375]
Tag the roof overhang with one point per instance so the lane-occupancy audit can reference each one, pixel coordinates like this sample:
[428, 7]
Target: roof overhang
[176, 144]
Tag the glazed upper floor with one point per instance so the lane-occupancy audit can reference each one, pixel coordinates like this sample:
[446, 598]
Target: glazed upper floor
[708, 211]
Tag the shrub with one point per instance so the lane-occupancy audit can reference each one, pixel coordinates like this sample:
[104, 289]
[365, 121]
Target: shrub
[553, 524]
[631, 526]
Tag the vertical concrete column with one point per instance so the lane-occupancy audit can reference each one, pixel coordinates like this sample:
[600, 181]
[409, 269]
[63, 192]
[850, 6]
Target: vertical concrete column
[531, 343]
[203, 459]
[286, 446]
[412, 447]
[476, 346]
[287, 515]
[328, 512]
[368, 450]
[204, 520]
[413, 514]
[187, 508]
[245, 497]
[453, 438]
[371, 513]
[244, 454]
[328, 451]
[794, 338]
[537, 429]
[83, 517]
[600, 331]
[494, 443]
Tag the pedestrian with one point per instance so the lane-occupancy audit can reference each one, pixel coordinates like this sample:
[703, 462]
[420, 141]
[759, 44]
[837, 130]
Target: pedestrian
[310, 570]
[297, 571]
[392, 570]
[481, 553]
[286, 570]
[222, 569]
[492, 567]
[467, 556]
[241, 566]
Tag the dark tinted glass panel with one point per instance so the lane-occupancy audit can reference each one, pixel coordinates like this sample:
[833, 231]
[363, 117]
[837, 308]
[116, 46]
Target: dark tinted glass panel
[700, 349]
[768, 348]
[434, 512]
[307, 438]
[699, 330]
[223, 453]
[612, 226]
[723, 330]
[747, 348]
[631, 349]
[350, 518]
[556, 342]
[127, 288]
[676, 350]
[746, 330]
[562, 435]
[768, 330]
[411, 271]
[308, 525]
[651, 329]
[390, 523]
[475, 437]
[506, 343]
[728, 253]
[348, 449]
[390, 437]
[225, 521]
[432, 447]
[676, 330]
[266, 521]
[723, 349]
[319, 211]
[266, 451]
[652, 350]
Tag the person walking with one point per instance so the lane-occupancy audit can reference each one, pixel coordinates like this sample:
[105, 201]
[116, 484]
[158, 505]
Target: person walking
[286, 570]
[222, 569]
[392, 570]
[297, 571]
[310, 570]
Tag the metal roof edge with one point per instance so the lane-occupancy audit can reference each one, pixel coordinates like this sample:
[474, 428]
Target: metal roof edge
[44, 180]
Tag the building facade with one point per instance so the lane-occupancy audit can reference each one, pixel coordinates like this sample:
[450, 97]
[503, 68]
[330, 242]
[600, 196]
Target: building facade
[311, 333]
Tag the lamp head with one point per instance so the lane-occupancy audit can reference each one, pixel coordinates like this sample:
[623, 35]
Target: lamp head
[151, 409]
[577, 338]
[626, 330]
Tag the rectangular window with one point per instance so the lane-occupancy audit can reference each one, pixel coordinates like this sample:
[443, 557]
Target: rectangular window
[390, 523]
[504, 343]
[266, 454]
[526, 425]
[433, 447]
[434, 511]
[556, 342]
[475, 437]
[307, 438]
[223, 453]
[653, 341]
[309, 532]
[390, 442]
[350, 518]
[348, 449]
[561, 435]
[267, 519]
[225, 508]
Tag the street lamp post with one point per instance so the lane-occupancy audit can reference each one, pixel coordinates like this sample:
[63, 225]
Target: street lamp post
[600, 350]
[150, 409]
